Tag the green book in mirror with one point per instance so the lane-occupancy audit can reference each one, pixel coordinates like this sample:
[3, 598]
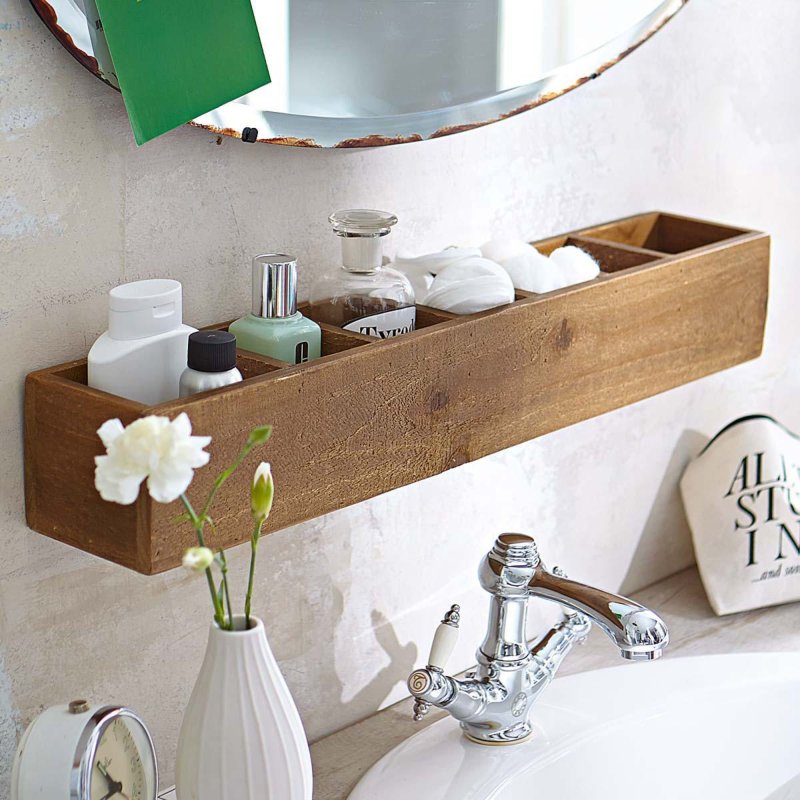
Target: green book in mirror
[178, 59]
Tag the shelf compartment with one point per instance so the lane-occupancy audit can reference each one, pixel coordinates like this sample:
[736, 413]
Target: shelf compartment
[665, 233]
[610, 257]
[374, 415]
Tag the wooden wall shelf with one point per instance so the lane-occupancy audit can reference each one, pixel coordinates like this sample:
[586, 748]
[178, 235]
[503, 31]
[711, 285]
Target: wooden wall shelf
[677, 299]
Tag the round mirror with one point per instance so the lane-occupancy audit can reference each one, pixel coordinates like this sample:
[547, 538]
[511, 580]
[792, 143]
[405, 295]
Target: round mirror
[360, 73]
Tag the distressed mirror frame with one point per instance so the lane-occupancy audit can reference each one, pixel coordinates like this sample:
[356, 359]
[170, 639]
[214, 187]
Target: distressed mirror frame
[68, 25]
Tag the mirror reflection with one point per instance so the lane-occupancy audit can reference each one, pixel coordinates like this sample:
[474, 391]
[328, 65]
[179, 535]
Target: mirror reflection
[360, 58]
[355, 73]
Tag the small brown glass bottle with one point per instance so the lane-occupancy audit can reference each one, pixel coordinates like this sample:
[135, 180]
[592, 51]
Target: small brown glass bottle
[363, 295]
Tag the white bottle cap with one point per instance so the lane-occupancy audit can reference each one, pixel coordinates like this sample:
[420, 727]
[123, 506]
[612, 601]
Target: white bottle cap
[144, 308]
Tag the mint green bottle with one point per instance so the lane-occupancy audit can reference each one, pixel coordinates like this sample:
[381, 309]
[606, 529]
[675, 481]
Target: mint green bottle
[275, 328]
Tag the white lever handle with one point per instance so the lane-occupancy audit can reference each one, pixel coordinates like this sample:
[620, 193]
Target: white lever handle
[445, 638]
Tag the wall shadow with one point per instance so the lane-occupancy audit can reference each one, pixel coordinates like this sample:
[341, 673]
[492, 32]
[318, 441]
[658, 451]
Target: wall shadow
[402, 661]
[665, 546]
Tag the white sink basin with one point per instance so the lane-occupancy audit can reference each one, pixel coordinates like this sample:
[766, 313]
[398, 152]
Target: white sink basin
[710, 727]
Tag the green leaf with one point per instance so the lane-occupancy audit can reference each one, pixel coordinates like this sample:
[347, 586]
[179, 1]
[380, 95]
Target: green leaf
[259, 436]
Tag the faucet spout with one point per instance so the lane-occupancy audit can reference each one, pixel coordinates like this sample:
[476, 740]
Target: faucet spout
[638, 633]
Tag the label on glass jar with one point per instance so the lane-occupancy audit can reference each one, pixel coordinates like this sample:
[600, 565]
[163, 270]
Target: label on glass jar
[386, 324]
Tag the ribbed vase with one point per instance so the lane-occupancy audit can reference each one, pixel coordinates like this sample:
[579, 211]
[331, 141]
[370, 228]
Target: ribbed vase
[241, 737]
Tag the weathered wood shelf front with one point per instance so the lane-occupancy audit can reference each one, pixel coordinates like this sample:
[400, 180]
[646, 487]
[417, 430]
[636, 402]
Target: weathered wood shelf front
[677, 299]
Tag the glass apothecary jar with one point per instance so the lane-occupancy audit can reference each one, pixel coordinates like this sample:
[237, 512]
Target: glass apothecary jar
[362, 295]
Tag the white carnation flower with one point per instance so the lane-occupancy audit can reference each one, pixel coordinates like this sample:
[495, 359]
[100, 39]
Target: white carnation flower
[162, 451]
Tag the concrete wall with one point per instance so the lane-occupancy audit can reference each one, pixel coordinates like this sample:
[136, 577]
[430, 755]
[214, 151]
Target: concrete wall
[701, 121]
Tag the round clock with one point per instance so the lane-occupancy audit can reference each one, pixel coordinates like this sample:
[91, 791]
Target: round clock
[83, 752]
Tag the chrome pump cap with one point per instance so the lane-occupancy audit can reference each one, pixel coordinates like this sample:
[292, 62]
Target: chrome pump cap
[274, 285]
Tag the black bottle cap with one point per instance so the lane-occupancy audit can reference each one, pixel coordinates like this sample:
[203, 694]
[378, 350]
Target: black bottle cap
[212, 351]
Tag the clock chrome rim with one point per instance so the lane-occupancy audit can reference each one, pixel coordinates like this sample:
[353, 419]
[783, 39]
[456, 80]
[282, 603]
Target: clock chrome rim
[82, 762]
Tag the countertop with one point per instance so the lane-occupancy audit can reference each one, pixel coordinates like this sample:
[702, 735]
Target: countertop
[342, 758]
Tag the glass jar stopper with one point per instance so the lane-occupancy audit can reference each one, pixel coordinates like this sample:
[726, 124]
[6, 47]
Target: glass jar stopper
[362, 222]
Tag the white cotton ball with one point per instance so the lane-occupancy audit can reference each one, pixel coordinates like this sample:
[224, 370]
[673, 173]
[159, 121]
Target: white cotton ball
[501, 249]
[532, 272]
[575, 265]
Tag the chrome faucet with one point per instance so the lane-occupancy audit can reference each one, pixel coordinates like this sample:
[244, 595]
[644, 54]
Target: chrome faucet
[494, 702]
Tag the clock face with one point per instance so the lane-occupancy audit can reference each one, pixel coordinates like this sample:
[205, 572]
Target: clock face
[122, 768]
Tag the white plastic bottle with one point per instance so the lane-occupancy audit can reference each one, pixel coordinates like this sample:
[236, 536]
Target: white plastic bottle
[143, 353]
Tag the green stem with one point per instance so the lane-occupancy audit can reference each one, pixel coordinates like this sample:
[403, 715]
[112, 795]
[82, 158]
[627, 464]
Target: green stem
[253, 550]
[257, 437]
[223, 476]
[227, 591]
[223, 564]
[197, 524]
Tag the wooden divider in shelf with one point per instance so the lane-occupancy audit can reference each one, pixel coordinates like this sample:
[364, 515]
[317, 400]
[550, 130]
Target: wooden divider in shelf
[677, 299]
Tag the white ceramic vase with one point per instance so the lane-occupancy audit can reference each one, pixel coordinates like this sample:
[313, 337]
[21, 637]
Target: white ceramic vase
[241, 737]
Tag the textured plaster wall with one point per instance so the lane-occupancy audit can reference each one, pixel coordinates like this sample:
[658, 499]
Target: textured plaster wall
[702, 120]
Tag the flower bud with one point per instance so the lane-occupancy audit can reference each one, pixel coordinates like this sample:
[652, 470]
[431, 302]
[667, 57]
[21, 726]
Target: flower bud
[262, 492]
[198, 559]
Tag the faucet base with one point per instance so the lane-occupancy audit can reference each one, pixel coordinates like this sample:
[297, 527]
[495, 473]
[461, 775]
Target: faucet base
[516, 734]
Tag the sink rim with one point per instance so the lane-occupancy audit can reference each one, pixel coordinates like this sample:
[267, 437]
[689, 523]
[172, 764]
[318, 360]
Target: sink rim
[719, 674]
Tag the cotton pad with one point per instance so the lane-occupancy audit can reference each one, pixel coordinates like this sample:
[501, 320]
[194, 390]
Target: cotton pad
[470, 285]
[468, 268]
[433, 263]
[472, 295]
